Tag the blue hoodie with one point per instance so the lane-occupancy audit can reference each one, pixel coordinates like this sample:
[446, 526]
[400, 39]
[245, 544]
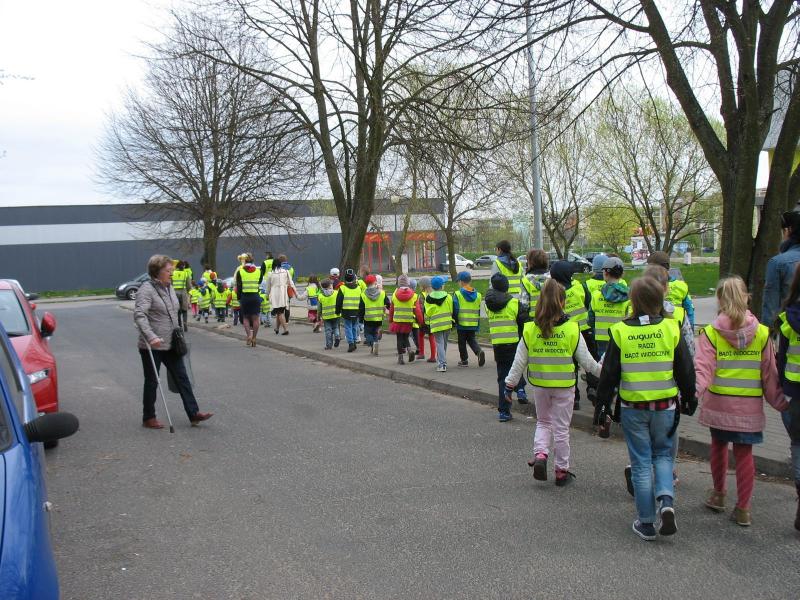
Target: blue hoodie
[469, 296]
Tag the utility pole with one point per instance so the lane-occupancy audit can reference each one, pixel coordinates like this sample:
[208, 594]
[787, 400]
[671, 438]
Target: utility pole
[538, 241]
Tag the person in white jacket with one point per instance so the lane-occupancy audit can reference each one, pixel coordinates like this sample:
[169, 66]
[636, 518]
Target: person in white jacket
[549, 347]
[279, 282]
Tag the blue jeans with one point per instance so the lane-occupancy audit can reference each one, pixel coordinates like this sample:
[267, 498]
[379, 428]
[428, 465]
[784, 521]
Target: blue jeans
[331, 331]
[350, 330]
[650, 451]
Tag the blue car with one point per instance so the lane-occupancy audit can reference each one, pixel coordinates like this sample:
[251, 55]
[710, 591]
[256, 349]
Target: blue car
[27, 565]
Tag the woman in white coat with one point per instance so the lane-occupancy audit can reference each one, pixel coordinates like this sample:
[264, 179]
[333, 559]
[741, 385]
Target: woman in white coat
[279, 284]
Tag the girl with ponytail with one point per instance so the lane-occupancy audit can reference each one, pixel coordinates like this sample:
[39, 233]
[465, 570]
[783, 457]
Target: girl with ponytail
[549, 347]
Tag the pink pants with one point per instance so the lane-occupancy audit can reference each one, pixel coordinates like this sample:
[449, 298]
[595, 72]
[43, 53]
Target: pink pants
[553, 416]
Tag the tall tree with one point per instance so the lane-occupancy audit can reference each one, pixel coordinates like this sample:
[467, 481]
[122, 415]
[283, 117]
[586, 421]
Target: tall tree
[649, 159]
[343, 71]
[746, 43]
[203, 145]
[611, 225]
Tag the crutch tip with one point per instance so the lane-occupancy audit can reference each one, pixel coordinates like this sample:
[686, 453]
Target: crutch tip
[171, 429]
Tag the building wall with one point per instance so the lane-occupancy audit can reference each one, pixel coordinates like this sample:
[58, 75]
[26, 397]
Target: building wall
[88, 247]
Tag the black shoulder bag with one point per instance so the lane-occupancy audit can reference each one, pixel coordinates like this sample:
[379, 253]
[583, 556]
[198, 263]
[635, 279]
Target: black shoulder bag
[178, 341]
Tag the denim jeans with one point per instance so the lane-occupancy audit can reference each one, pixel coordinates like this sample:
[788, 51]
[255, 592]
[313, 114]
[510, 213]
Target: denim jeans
[650, 451]
[331, 331]
[177, 369]
[350, 329]
[441, 346]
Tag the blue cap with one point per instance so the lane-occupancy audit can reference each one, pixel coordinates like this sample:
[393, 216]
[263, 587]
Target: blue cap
[464, 276]
[597, 262]
[437, 283]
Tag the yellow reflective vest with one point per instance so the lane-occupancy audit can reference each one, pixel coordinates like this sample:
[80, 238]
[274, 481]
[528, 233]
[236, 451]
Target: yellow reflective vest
[678, 290]
[180, 279]
[738, 372]
[327, 305]
[575, 306]
[503, 323]
[551, 360]
[606, 314]
[647, 355]
[249, 281]
[373, 309]
[403, 311]
[204, 299]
[514, 279]
[469, 313]
[439, 317]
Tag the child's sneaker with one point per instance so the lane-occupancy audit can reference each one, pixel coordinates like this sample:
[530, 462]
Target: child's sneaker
[336, 342]
[646, 531]
[411, 357]
[463, 363]
[563, 477]
[481, 358]
[522, 397]
[667, 515]
[400, 360]
[418, 355]
[504, 416]
[741, 516]
[328, 347]
[539, 464]
[716, 501]
[441, 369]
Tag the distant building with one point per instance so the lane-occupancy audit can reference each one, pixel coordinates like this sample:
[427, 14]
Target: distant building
[100, 246]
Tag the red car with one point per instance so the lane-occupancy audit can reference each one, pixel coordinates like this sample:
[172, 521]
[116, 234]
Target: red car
[29, 338]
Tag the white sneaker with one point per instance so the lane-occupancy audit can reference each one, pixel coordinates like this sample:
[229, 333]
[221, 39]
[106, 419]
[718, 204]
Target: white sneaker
[441, 369]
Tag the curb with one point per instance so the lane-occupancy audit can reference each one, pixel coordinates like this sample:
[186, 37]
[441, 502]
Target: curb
[73, 299]
[699, 449]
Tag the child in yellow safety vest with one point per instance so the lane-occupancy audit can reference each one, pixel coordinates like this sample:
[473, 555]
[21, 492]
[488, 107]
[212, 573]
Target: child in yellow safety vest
[422, 290]
[467, 314]
[266, 308]
[371, 309]
[235, 306]
[404, 311]
[736, 372]
[312, 292]
[194, 296]
[328, 297]
[221, 301]
[549, 347]
[648, 362]
[439, 317]
[204, 300]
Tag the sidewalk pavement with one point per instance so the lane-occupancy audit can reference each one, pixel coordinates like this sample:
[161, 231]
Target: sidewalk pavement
[480, 384]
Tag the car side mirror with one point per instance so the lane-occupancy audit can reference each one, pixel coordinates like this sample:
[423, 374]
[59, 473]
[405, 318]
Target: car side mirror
[48, 324]
[32, 296]
[51, 427]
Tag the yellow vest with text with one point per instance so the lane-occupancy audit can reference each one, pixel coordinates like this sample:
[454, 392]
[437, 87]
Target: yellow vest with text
[469, 313]
[503, 323]
[327, 305]
[575, 306]
[179, 279]
[551, 360]
[792, 371]
[606, 314]
[249, 281]
[514, 279]
[738, 372]
[373, 309]
[647, 355]
[403, 311]
[439, 317]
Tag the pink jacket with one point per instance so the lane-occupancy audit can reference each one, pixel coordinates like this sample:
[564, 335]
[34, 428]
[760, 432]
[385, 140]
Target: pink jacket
[735, 413]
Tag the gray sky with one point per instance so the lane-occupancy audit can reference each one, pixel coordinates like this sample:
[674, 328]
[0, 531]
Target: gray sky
[80, 57]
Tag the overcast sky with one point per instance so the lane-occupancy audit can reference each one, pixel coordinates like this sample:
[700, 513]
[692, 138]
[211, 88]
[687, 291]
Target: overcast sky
[73, 61]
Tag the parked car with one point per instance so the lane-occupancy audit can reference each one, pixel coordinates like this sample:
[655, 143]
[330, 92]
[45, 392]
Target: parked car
[27, 564]
[30, 340]
[127, 290]
[460, 262]
[487, 260]
[579, 263]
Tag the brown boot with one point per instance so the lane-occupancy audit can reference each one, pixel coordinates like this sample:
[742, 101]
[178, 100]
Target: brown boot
[716, 501]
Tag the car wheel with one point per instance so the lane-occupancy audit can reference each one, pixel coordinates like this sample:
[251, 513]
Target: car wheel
[470, 266]
[50, 445]
[131, 294]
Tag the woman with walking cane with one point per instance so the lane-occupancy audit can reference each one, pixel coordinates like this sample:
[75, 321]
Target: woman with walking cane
[156, 317]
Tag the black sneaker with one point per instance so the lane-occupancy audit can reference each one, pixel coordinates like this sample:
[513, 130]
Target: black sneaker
[539, 465]
[646, 531]
[481, 358]
[629, 480]
[564, 478]
[400, 360]
[351, 347]
[463, 363]
[412, 357]
[336, 343]
[668, 526]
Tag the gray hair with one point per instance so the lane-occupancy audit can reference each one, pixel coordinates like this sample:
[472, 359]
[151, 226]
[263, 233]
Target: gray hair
[156, 263]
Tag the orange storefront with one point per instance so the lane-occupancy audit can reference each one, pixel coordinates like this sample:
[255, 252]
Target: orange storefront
[420, 248]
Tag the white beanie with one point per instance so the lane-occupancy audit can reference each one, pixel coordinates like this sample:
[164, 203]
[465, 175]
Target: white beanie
[335, 271]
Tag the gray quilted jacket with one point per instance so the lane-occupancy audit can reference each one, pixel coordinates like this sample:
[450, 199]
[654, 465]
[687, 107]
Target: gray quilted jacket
[155, 304]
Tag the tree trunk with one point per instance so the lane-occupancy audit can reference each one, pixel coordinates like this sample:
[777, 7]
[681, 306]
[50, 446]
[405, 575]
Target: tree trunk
[353, 233]
[210, 239]
[451, 252]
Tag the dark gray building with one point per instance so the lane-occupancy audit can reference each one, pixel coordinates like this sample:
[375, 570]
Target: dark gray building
[100, 246]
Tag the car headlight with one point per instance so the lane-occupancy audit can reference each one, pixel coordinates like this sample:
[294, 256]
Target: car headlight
[38, 376]
[120, 288]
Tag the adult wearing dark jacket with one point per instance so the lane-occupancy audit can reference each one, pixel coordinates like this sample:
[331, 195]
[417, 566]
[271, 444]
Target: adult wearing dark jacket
[496, 299]
[781, 268]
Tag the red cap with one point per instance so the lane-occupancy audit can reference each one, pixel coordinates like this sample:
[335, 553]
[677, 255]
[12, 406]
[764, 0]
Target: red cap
[370, 279]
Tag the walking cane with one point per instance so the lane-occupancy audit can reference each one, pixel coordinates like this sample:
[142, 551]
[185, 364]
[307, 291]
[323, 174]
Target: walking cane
[158, 379]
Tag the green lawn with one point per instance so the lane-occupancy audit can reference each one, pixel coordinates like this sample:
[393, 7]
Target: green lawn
[70, 293]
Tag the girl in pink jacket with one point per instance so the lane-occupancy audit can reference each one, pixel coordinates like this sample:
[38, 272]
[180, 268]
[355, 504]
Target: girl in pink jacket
[736, 371]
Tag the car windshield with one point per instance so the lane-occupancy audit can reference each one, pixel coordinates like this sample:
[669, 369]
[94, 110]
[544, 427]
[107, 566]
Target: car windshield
[11, 314]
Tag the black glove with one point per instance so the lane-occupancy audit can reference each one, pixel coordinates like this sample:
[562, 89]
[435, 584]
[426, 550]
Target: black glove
[688, 406]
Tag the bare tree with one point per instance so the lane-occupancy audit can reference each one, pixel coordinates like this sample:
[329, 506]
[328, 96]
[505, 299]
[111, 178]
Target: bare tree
[649, 159]
[731, 52]
[203, 145]
[344, 70]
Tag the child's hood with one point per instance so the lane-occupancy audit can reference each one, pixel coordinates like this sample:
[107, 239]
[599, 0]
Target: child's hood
[404, 294]
[738, 338]
[469, 294]
[615, 292]
[372, 292]
[436, 297]
[496, 300]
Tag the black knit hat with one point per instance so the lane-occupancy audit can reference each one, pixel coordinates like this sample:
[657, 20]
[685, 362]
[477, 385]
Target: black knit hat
[499, 282]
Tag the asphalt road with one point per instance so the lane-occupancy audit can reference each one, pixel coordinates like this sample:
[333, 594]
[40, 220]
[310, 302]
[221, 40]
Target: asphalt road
[313, 482]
